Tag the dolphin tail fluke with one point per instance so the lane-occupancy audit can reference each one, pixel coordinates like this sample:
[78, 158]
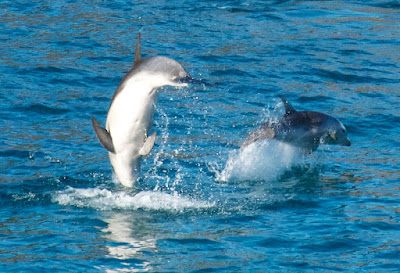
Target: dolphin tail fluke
[288, 108]
[103, 136]
[148, 144]
[138, 53]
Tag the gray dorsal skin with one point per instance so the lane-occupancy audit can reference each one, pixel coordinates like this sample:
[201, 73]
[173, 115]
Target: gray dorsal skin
[303, 129]
[103, 136]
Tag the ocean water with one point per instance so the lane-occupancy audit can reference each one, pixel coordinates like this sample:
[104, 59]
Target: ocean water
[201, 204]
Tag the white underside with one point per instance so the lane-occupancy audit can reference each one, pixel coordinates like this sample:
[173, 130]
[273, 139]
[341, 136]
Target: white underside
[129, 121]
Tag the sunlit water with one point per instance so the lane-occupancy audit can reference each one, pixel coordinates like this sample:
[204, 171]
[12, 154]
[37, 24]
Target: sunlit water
[201, 203]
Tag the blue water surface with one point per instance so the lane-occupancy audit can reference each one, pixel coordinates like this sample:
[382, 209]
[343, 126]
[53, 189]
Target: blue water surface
[201, 204]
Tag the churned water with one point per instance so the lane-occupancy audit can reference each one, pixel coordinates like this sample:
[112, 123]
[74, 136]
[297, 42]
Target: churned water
[201, 204]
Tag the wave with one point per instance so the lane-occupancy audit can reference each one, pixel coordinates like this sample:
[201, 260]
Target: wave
[41, 109]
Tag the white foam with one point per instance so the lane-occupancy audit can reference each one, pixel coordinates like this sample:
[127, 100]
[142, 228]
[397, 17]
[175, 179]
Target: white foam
[263, 160]
[103, 199]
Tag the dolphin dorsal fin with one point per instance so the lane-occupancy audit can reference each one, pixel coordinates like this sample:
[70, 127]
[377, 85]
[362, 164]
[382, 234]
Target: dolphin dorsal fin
[288, 108]
[138, 54]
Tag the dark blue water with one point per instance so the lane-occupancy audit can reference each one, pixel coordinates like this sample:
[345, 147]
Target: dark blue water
[200, 205]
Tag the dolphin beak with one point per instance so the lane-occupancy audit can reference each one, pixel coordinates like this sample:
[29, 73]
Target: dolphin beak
[348, 143]
[187, 80]
[190, 80]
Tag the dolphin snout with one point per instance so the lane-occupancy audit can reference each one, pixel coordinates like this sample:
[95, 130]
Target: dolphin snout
[347, 143]
[189, 80]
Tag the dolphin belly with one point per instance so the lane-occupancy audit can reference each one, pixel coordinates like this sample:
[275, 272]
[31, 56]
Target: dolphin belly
[129, 121]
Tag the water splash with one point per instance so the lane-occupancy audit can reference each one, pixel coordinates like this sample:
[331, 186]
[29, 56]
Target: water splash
[263, 160]
[103, 199]
[158, 160]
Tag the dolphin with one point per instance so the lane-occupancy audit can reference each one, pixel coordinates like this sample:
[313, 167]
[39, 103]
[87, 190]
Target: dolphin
[302, 129]
[130, 116]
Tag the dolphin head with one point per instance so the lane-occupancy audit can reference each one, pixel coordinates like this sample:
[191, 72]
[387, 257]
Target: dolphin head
[161, 71]
[337, 134]
[158, 71]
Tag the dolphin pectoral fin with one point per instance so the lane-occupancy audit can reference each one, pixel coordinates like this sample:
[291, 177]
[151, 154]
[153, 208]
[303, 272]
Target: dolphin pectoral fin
[103, 136]
[148, 144]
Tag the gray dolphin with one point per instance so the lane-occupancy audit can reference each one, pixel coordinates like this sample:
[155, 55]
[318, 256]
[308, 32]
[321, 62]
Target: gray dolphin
[130, 115]
[302, 129]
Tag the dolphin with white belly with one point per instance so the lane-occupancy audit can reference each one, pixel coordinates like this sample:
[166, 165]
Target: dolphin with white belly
[130, 116]
[302, 129]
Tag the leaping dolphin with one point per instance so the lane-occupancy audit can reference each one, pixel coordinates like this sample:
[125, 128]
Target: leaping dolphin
[302, 129]
[130, 115]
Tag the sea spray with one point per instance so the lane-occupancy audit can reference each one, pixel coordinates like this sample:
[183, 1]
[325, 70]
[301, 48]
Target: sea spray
[262, 160]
